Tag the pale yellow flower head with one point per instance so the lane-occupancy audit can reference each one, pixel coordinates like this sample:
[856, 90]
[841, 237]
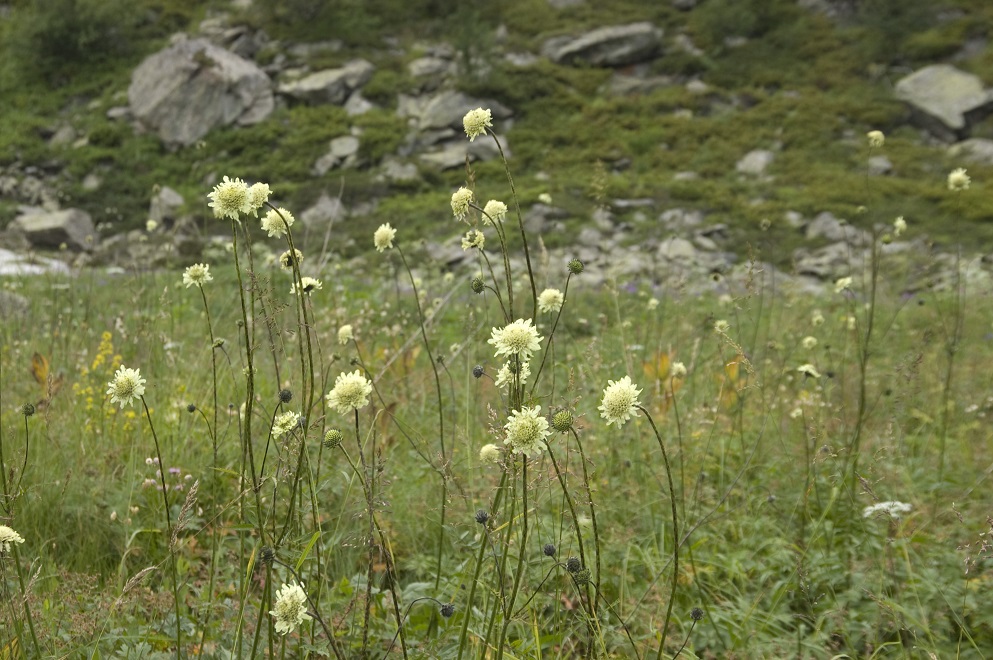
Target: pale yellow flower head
[876, 139]
[505, 377]
[550, 300]
[308, 284]
[258, 195]
[494, 211]
[809, 370]
[287, 259]
[519, 338]
[127, 386]
[350, 391]
[958, 180]
[620, 401]
[8, 536]
[526, 431]
[345, 334]
[290, 609]
[476, 122]
[809, 342]
[842, 283]
[678, 370]
[230, 199]
[473, 239]
[284, 423]
[652, 303]
[461, 199]
[276, 223]
[899, 226]
[383, 238]
[489, 454]
[198, 274]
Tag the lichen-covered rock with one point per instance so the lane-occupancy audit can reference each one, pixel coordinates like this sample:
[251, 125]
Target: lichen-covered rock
[612, 46]
[193, 86]
[72, 227]
[945, 100]
[330, 85]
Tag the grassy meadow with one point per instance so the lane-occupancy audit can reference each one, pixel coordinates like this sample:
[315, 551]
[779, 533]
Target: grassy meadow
[787, 475]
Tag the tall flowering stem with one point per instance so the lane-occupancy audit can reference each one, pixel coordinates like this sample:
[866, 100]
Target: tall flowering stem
[479, 567]
[590, 603]
[520, 223]
[172, 551]
[589, 493]
[520, 557]
[551, 334]
[441, 417]
[390, 565]
[675, 530]
[249, 389]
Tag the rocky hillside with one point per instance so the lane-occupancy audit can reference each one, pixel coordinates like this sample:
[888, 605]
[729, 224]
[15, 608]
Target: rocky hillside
[687, 133]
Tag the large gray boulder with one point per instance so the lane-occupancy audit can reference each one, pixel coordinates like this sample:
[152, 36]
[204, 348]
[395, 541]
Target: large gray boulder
[945, 101]
[193, 86]
[330, 85]
[612, 46]
[74, 227]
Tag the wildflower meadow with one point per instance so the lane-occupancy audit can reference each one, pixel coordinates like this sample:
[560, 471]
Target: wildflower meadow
[273, 455]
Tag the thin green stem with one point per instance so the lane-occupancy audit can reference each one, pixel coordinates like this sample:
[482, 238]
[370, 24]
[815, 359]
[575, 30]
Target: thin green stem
[441, 420]
[172, 551]
[675, 532]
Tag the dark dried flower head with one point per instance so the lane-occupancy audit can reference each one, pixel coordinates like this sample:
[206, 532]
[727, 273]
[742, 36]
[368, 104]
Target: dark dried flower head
[27, 409]
[477, 371]
[447, 610]
[482, 517]
[333, 438]
[267, 555]
[576, 267]
[696, 614]
[191, 408]
[477, 284]
[285, 396]
[573, 565]
[562, 421]
[549, 550]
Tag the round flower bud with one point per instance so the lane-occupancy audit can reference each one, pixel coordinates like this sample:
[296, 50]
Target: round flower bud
[573, 565]
[218, 342]
[549, 550]
[562, 421]
[477, 284]
[267, 555]
[482, 517]
[27, 409]
[477, 371]
[191, 408]
[285, 396]
[576, 267]
[447, 610]
[583, 576]
[696, 614]
[333, 438]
